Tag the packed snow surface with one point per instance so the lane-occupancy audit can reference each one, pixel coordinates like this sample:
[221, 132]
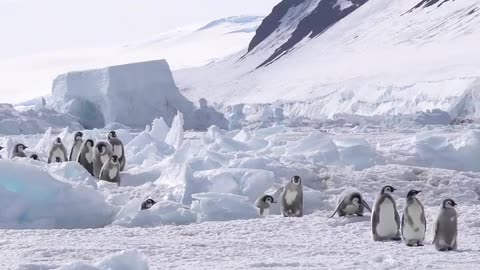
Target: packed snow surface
[205, 184]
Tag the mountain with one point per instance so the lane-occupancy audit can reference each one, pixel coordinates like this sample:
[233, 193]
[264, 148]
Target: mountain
[318, 58]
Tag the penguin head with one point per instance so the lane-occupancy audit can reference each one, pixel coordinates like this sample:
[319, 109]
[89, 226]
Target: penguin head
[268, 199]
[1, 148]
[102, 148]
[20, 147]
[34, 156]
[90, 143]
[112, 134]
[58, 160]
[449, 203]
[114, 159]
[412, 193]
[78, 135]
[356, 199]
[296, 180]
[148, 204]
[58, 141]
[388, 189]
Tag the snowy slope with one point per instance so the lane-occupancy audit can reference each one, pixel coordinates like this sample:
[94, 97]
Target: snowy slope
[384, 57]
[38, 48]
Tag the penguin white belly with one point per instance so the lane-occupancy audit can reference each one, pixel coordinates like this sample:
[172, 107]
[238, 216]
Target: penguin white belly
[387, 225]
[417, 231]
[117, 151]
[58, 153]
[351, 209]
[113, 173]
[76, 151]
[290, 196]
[104, 158]
[266, 212]
[89, 156]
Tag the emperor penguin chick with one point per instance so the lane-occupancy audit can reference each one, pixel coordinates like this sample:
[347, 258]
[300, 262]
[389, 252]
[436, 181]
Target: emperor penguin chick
[57, 150]
[446, 230]
[85, 157]
[117, 148]
[263, 204]
[292, 198]
[101, 154]
[77, 146]
[414, 224]
[111, 170]
[18, 151]
[351, 203]
[385, 218]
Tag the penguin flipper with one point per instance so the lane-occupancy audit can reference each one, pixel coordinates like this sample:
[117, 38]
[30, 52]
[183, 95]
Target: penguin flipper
[277, 193]
[341, 205]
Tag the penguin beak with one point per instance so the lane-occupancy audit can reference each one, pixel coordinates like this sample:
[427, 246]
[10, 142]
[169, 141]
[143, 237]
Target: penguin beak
[25, 147]
[366, 206]
[454, 203]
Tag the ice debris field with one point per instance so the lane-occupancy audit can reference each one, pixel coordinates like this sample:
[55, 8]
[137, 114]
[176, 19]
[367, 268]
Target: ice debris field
[57, 216]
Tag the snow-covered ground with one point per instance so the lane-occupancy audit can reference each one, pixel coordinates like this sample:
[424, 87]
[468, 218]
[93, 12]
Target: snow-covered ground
[206, 182]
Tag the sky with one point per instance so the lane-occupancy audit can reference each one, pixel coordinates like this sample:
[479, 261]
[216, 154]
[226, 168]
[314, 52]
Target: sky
[30, 29]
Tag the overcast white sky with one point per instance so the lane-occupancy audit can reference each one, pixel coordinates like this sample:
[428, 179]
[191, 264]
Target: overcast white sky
[32, 26]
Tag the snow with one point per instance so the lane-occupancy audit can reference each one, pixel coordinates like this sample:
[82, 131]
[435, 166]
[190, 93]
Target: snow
[132, 95]
[125, 260]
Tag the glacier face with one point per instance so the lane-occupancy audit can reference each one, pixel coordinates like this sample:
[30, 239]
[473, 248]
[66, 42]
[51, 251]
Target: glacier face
[131, 94]
[385, 57]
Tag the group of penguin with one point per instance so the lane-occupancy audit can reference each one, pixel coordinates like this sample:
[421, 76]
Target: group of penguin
[103, 160]
[385, 220]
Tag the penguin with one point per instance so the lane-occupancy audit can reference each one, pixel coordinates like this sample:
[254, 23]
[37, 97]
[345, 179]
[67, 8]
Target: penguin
[148, 204]
[1, 150]
[351, 204]
[263, 204]
[77, 145]
[446, 231]
[34, 157]
[85, 156]
[414, 223]
[292, 198]
[57, 150]
[101, 154]
[385, 218]
[18, 151]
[111, 170]
[117, 148]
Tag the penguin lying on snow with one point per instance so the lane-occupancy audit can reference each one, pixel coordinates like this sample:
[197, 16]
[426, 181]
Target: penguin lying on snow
[446, 231]
[148, 204]
[57, 150]
[34, 157]
[1, 150]
[18, 151]
[414, 223]
[385, 218]
[351, 204]
[292, 198]
[263, 204]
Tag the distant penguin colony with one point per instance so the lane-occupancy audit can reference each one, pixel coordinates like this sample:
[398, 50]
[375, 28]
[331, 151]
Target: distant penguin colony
[106, 159]
[58, 152]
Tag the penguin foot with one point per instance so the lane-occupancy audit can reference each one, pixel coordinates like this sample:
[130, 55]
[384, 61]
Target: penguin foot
[396, 238]
[409, 245]
[360, 215]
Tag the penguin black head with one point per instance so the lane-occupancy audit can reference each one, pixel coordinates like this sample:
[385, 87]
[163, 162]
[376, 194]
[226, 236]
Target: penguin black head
[112, 135]
[78, 135]
[268, 199]
[148, 204]
[356, 198]
[102, 147]
[20, 147]
[90, 142]
[58, 160]
[412, 193]
[296, 180]
[34, 156]
[1, 148]
[449, 203]
[114, 159]
[388, 189]
[58, 140]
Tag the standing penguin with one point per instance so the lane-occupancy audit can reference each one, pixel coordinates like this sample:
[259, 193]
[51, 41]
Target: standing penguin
[57, 150]
[101, 154]
[292, 198]
[77, 146]
[414, 224]
[85, 156]
[111, 170]
[446, 231]
[117, 148]
[1, 148]
[351, 204]
[385, 218]
[263, 204]
[18, 151]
